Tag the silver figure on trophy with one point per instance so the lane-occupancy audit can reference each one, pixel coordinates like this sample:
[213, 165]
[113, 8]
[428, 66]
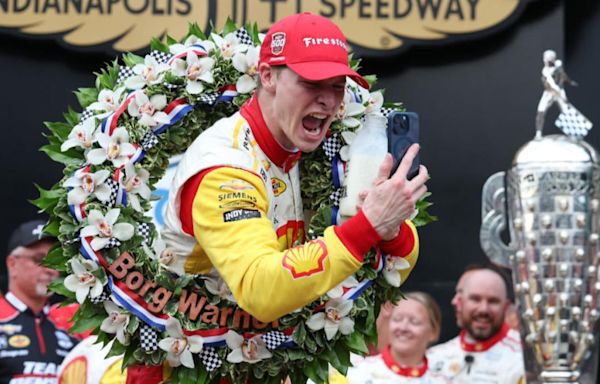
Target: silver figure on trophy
[550, 199]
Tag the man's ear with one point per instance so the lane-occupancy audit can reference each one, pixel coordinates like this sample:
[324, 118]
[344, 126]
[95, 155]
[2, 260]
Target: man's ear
[267, 77]
[11, 262]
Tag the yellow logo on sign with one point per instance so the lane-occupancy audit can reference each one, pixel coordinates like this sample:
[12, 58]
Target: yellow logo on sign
[379, 25]
[19, 341]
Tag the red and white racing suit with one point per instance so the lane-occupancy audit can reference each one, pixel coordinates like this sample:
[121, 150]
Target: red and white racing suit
[31, 346]
[383, 369]
[497, 360]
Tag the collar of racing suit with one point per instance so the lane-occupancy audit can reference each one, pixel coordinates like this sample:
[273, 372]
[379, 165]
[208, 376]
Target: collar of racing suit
[275, 152]
[403, 370]
[468, 345]
[21, 306]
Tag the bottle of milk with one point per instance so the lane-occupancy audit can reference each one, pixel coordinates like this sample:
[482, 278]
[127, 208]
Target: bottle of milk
[366, 155]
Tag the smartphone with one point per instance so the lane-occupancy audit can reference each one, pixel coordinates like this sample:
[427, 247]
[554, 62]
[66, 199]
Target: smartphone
[402, 132]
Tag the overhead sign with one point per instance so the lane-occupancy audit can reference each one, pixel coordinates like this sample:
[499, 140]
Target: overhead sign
[371, 25]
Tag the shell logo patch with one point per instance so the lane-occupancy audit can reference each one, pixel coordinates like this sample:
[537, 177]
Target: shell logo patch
[278, 186]
[305, 260]
[19, 341]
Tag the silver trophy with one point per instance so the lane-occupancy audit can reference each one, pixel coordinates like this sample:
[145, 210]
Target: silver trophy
[550, 199]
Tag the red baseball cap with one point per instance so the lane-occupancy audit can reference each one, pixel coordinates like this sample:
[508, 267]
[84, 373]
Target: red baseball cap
[310, 45]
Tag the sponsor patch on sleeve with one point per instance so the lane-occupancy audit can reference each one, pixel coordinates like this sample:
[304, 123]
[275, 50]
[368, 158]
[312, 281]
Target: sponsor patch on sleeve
[240, 214]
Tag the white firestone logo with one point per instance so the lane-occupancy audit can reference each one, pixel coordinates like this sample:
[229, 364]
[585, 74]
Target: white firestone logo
[277, 43]
[308, 41]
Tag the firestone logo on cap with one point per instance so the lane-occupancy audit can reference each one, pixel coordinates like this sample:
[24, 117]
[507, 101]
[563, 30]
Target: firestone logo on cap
[277, 43]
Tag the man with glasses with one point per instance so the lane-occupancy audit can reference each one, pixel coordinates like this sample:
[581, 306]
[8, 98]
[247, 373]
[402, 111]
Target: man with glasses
[31, 345]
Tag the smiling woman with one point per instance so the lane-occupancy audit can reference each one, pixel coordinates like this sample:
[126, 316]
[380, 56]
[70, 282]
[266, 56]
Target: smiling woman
[414, 324]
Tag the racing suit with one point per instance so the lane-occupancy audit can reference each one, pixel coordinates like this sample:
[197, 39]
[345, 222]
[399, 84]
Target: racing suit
[31, 346]
[498, 360]
[383, 369]
[235, 205]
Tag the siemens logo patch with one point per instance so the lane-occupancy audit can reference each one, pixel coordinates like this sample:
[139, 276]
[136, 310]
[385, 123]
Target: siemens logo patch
[240, 214]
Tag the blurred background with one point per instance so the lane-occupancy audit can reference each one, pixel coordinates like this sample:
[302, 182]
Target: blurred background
[476, 93]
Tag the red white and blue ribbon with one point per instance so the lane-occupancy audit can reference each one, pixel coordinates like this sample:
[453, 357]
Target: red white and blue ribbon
[127, 298]
[109, 123]
[227, 93]
[197, 49]
[77, 210]
[175, 111]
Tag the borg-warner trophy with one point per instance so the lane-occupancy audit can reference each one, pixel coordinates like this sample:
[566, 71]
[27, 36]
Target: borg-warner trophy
[550, 199]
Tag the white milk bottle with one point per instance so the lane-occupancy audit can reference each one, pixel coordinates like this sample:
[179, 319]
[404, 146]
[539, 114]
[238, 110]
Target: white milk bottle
[366, 155]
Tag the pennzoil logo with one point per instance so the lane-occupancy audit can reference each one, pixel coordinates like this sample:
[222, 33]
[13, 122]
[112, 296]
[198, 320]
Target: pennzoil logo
[19, 341]
[374, 26]
[278, 186]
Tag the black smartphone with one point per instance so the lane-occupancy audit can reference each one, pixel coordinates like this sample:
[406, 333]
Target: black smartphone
[402, 132]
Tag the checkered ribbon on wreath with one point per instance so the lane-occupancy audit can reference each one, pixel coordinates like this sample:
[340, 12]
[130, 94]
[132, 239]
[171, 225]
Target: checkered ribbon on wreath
[386, 111]
[273, 339]
[208, 98]
[113, 242]
[573, 123]
[244, 36]
[335, 197]
[210, 358]
[114, 191]
[86, 114]
[100, 298]
[332, 146]
[149, 141]
[148, 338]
[161, 57]
[124, 73]
[144, 231]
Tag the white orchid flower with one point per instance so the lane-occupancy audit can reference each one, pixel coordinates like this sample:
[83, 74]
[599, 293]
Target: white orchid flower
[217, 286]
[108, 101]
[229, 45]
[180, 347]
[251, 351]
[136, 184]
[115, 148]
[338, 291]
[116, 322]
[148, 110]
[190, 41]
[160, 252]
[349, 108]
[84, 184]
[82, 135]
[151, 72]
[333, 319]
[103, 228]
[246, 63]
[196, 70]
[82, 281]
[374, 102]
[392, 267]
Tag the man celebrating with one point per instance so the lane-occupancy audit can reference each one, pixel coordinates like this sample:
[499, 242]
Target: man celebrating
[487, 350]
[223, 211]
[31, 345]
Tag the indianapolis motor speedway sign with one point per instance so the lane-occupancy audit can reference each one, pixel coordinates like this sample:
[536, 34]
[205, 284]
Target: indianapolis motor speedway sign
[374, 26]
